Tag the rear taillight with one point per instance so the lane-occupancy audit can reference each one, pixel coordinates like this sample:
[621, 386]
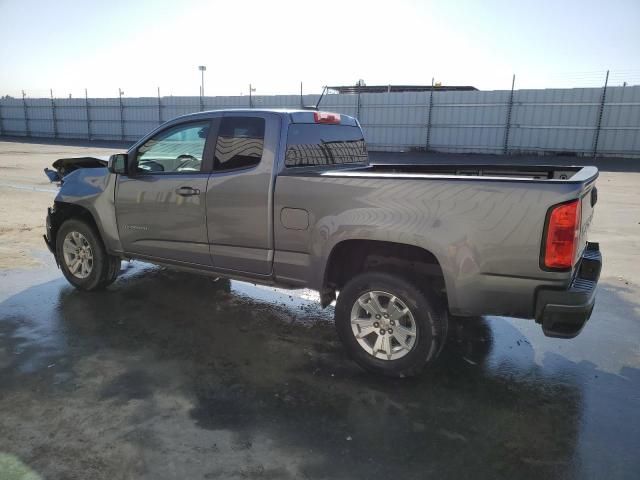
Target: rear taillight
[563, 232]
[326, 117]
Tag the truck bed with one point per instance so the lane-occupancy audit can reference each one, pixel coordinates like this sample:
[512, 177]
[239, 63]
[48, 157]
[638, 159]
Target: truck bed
[484, 224]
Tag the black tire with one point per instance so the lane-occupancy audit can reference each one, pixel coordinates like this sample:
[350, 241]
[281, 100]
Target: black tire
[105, 268]
[220, 284]
[429, 315]
[115, 263]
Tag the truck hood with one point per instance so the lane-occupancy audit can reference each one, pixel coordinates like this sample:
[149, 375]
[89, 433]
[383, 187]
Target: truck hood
[64, 166]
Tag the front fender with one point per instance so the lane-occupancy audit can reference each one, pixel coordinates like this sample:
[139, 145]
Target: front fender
[94, 190]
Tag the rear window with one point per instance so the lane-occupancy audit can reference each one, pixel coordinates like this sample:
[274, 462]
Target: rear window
[310, 144]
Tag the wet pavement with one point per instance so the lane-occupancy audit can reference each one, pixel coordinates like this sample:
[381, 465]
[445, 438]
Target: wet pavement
[169, 375]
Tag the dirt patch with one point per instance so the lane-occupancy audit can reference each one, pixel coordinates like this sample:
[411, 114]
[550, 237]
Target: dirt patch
[25, 194]
[22, 224]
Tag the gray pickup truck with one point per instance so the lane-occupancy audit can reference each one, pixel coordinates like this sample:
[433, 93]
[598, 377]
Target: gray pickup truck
[289, 198]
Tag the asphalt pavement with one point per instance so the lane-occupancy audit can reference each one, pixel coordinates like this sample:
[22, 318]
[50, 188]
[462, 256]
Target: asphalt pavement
[171, 375]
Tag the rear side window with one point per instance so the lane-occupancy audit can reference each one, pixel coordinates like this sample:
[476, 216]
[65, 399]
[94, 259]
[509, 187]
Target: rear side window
[240, 143]
[311, 144]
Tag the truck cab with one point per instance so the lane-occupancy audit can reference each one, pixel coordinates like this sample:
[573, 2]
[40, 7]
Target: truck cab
[200, 190]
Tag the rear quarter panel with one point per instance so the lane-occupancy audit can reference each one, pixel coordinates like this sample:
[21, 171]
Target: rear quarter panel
[485, 234]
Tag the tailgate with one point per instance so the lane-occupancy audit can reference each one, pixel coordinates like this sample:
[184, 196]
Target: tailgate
[589, 199]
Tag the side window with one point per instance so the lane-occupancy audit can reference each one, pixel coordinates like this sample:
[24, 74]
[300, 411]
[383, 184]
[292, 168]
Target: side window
[240, 142]
[178, 149]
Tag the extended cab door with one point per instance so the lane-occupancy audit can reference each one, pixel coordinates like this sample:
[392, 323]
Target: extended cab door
[161, 204]
[240, 192]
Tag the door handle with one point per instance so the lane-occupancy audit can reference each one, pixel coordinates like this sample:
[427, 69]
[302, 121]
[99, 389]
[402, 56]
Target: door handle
[187, 191]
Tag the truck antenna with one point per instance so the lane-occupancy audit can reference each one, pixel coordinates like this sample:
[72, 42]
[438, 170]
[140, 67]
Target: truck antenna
[322, 95]
[315, 107]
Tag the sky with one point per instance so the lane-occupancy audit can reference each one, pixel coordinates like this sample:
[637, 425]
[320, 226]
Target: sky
[138, 46]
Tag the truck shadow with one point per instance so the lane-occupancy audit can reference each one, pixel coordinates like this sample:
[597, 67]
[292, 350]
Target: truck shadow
[263, 363]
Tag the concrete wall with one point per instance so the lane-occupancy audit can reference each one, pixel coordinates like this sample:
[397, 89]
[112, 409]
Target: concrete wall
[550, 120]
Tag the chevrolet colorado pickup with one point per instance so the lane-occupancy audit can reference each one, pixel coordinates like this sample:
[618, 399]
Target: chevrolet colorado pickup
[289, 198]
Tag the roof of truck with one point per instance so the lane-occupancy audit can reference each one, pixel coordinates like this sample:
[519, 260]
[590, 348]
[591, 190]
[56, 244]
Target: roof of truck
[269, 110]
[298, 114]
[272, 110]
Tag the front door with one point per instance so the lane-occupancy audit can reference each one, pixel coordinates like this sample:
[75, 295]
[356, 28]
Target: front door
[161, 204]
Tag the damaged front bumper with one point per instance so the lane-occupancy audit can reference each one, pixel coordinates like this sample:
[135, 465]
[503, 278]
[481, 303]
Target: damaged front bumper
[48, 237]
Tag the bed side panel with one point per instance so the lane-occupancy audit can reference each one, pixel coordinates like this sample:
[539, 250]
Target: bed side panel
[486, 235]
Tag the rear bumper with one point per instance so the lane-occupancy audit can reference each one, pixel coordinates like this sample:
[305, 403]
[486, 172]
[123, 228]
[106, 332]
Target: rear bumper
[563, 313]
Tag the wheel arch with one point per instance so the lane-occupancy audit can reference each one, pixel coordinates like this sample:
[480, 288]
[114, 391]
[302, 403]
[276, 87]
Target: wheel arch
[350, 257]
[63, 211]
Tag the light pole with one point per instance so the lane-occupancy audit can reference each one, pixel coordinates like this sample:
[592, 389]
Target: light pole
[202, 69]
[251, 89]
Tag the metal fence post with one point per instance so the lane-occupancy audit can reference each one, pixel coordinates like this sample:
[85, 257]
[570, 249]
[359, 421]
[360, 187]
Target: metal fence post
[86, 109]
[53, 115]
[358, 106]
[121, 115]
[27, 128]
[1, 121]
[428, 145]
[159, 108]
[250, 101]
[505, 147]
[201, 100]
[301, 98]
[600, 112]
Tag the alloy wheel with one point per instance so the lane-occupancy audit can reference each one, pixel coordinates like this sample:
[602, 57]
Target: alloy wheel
[78, 256]
[383, 325]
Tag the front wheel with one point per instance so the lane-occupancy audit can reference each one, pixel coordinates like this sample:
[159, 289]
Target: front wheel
[83, 259]
[388, 325]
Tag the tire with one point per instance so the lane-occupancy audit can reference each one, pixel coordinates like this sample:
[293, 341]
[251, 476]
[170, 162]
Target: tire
[97, 269]
[114, 270]
[399, 355]
[220, 284]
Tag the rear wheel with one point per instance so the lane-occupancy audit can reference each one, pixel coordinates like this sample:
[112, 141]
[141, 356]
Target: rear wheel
[388, 325]
[83, 259]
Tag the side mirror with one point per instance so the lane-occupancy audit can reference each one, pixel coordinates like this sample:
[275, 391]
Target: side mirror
[118, 163]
